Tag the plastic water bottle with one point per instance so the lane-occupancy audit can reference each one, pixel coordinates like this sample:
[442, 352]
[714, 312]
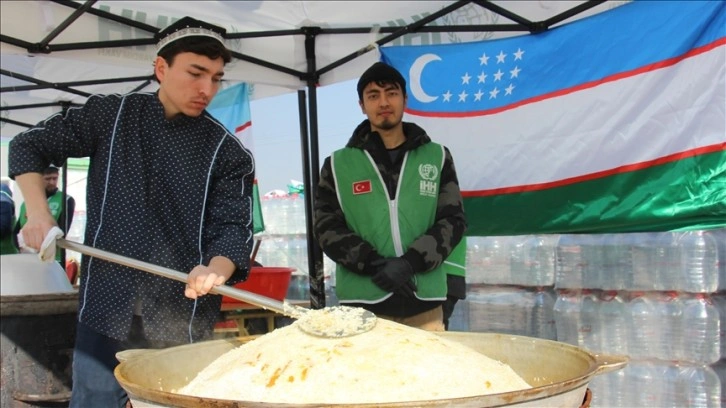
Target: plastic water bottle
[645, 261]
[494, 252]
[593, 269]
[641, 383]
[591, 323]
[474, 264]
[297, 252]
[617, 261]
[702, 386]
[269, 253]
[282, 250]
[302, 226]
[531, 261]
[699, 261]
[600, 385]
[598, 273]
[644, 326]
[613, 330]
[501, 309]
[542, 319]
[612, 391]
[282, 216]
[670, 336]
[672, 390]
[569, 262]
[269, 214]
[521, 262]
[720, 370]
[719, 300]
[567, 311]
[719, 235]
[701, 330]
[667, 262]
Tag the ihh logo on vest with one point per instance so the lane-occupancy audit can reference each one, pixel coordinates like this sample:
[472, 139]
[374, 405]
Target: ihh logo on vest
[54, 207]
[428, 173]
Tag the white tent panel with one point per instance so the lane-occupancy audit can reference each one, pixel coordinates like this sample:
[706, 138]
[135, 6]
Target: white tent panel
[32, 22]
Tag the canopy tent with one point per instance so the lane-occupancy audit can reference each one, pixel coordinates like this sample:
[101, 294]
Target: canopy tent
[57, 53]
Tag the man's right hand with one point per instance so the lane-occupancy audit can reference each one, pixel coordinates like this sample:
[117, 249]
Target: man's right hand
[35, 230]
[394, 275]
[40, 221]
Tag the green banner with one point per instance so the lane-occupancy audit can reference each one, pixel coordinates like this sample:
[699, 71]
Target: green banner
[685, 194]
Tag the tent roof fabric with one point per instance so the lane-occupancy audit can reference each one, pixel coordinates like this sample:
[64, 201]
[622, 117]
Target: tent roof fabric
[57, 53]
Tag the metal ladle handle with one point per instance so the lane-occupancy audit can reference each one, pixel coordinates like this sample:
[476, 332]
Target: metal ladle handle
[237, 294]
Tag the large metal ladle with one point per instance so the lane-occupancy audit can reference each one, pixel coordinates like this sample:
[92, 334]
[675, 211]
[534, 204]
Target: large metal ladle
[331, 322]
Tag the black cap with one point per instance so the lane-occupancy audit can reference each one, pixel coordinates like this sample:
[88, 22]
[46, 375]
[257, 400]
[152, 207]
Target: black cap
[188, 27]
[380, 71]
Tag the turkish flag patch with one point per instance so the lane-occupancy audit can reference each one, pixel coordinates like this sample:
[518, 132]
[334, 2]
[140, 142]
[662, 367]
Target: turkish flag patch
[362, 187]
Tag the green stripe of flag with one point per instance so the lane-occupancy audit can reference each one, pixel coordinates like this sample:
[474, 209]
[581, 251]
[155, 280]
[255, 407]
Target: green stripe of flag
[685, 194]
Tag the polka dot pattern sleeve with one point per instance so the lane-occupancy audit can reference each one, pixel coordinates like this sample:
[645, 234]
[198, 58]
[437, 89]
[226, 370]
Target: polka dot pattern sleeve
[229, 210]
[63, 135]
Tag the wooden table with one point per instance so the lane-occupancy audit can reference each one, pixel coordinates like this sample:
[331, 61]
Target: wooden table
[241, 312]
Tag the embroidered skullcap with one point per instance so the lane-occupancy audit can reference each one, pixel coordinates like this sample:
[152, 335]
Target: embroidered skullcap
[188, 27]
[378, 72]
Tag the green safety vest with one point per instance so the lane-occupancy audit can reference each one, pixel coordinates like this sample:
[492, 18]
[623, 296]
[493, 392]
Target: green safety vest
[55, 204]
[391, 225]
[7, 244]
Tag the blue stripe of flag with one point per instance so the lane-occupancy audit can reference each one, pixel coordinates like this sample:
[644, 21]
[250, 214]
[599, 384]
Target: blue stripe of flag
[484, 75]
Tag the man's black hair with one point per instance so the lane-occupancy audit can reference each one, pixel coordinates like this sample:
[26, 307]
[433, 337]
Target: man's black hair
[382, 74]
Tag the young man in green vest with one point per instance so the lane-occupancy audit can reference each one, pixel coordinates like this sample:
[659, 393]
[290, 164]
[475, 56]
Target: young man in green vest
[389, 212]
[63, 214]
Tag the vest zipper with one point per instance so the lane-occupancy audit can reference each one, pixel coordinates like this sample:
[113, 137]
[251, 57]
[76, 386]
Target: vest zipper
[393, 210]
[395, 230]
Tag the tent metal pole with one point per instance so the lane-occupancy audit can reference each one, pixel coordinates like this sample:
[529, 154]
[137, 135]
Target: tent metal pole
[315, 301]
[43, 44]
[315, 253]
[311, 166]
[16, 123]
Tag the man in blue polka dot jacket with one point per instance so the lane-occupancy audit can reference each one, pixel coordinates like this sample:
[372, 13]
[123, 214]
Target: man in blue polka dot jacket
[167, 184]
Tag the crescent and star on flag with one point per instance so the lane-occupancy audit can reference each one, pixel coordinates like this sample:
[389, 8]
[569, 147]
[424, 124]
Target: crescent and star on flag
[362, 187]
[419, 64]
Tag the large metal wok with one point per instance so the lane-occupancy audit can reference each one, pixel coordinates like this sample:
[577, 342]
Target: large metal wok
[559, 373]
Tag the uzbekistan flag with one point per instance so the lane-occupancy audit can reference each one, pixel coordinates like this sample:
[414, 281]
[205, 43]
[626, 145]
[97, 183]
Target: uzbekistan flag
[613, 123]
[231, 106]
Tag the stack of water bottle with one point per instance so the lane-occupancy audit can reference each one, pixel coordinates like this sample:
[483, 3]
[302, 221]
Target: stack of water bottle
[284, 242]
[656, 297]
[510, 285]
